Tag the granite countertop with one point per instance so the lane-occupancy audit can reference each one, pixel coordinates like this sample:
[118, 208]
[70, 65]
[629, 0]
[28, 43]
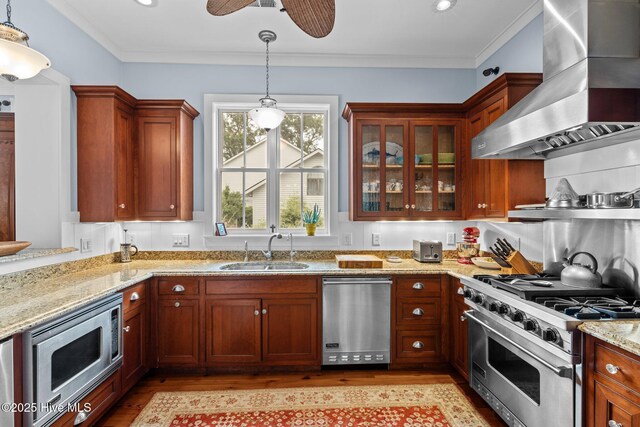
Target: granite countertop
[30, 253]
[621, 333]
[39, 301]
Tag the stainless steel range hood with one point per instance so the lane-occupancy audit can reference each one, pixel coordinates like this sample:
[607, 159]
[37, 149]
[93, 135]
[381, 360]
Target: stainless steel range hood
[590, 96]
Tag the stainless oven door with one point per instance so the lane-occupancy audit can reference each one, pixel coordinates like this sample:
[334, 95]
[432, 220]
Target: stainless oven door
[522, 379]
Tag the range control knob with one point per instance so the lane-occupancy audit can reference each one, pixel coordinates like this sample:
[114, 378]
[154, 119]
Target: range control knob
[479, 298]
[469, 294]
[551, 335]
[494, 306]
[517, 316]
[504, 309]
[530, 325]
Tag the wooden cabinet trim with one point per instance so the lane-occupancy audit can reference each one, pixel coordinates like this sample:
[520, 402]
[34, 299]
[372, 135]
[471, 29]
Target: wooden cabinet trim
[303, 285]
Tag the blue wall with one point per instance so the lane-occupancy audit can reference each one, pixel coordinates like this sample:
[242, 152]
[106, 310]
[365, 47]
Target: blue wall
[523, 53]
[191, 82]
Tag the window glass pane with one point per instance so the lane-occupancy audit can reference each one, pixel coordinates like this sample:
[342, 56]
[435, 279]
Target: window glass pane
[290, 200]
[255, 200]
[371, 168]
[314, 194]
[446, 168]
[256, 156]
[232, 200]
[233, 139]
[290, 138]
[313, 140]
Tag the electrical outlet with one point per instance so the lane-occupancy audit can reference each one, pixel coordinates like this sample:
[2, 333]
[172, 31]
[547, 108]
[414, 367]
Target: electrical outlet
[86, 245]
[375, 239]
[347, 239]
[451, 239]
[180, 240]
[131, 237]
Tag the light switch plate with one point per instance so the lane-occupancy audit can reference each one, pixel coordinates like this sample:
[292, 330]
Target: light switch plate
[451, 239]
[347, 239]
[180, 240]
[86, 245]
[375, 239]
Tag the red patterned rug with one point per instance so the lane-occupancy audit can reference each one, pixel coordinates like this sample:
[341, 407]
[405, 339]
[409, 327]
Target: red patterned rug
[432, 405]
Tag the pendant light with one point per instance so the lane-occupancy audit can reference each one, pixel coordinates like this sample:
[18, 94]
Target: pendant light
[267, 116]
[17, 59]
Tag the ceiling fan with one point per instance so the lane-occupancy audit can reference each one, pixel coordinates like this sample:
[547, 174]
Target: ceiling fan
[314, 17]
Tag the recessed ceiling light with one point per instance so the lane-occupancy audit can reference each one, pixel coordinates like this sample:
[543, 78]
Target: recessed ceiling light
[146, 2]
[443, 5]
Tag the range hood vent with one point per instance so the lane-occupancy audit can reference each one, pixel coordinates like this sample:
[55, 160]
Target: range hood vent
[590, 96]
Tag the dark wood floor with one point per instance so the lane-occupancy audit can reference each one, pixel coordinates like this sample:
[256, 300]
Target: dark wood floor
[133, 402]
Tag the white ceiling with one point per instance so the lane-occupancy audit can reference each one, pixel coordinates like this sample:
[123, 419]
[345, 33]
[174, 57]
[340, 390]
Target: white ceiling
[374, 33]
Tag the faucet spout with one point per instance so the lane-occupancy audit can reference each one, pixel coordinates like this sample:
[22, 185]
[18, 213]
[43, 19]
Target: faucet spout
[268, 254]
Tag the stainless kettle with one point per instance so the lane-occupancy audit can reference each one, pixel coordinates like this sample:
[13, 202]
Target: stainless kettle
[580, 275]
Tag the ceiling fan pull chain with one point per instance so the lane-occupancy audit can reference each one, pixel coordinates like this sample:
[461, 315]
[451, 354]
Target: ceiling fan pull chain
[267, 68]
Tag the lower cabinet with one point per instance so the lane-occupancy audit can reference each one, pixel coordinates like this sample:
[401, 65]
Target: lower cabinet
[612, 392]
[290, 330]
[135, 335]
[178, 332]
[459, 330]
[233, 330]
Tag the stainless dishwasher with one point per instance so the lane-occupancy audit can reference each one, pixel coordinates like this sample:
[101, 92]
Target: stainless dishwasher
[356, 320]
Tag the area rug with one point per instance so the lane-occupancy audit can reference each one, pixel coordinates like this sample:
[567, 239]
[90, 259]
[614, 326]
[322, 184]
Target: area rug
[432, 405]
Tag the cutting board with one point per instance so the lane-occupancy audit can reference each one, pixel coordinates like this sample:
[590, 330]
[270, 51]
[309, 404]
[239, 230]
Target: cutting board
[358, 261]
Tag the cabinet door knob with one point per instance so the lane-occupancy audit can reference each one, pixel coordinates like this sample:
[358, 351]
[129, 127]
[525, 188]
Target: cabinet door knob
[479, 205]
[80, 418]
[126, 328]
[177, 304]
[172, 207]
[484, 205]
[460, 291]
[257, 312]
[462, 318]
[122, 206]
[413, 206]
[612, 369]
[406, 206]
[264, 311]
[614, 423]
[134, 296]
[178, 289]
[417, 345]
[418, 312]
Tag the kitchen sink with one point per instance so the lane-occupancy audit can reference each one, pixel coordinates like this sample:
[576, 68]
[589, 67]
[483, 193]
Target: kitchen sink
[264, 266]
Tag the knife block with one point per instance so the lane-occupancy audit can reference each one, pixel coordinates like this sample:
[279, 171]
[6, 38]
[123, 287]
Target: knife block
[519, 265]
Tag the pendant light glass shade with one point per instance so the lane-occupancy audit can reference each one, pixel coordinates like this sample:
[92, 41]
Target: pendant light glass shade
[267, 116]
[18, 61]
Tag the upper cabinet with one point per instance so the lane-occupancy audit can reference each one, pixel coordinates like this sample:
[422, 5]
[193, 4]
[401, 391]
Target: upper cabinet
[135, 157]
[413, 161]
[497, 186]
[405, 162]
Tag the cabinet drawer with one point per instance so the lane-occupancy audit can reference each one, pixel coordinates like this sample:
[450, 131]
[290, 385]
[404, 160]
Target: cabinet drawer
[418, 311]
[628, 369]
[176, 285]
[270, 286]
[418, 286]
[418, 346]
[613, 409]
[97, 403]
[134, 296]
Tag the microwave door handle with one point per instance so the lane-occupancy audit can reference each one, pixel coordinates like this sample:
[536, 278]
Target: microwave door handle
[563, 371]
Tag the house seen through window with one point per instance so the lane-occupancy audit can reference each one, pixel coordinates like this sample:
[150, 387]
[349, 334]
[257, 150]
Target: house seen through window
[269, 179]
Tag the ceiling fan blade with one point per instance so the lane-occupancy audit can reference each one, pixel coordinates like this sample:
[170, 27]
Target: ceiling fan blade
[225, 7]
[314, 17]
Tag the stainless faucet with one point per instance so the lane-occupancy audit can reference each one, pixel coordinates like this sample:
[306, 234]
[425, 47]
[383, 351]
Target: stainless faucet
[246, 251]
[292, 253]
[268, 254]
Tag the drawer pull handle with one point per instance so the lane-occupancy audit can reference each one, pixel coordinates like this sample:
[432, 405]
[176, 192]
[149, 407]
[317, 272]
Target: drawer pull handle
[418, 286]
[612, 369]
[178, 288]
[418, 312]
[257, 312]
[80, 418]
[134, 296]
[177, 304]
[417, 345]
[264, 311]
[126, 328]
[460, 291]
[613, 423]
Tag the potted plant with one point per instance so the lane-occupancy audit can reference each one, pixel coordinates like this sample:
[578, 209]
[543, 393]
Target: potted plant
[311, 218]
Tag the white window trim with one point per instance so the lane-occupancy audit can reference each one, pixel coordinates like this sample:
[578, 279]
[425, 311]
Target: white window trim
[212, 104]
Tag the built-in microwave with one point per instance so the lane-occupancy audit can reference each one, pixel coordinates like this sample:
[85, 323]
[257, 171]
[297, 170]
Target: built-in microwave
[67, 358]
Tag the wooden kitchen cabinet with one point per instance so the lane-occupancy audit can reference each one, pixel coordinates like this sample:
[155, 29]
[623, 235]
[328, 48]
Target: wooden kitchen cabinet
[405, 161]
[233, 330]
[497, 186]
[135, 157]
[459, 329]
[165, 159]
[7, 178]
[135, 335]
[290, 330]
[612, 398]
[106, 188]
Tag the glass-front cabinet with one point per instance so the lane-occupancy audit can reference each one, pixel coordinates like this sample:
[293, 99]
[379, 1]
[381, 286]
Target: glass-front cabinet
[405, 169]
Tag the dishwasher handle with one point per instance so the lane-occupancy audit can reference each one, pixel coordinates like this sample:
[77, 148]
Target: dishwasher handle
[357, 281]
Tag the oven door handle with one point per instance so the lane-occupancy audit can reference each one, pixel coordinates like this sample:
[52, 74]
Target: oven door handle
[563, 371]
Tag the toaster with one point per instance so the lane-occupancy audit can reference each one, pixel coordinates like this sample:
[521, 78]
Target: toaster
[427, 250]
